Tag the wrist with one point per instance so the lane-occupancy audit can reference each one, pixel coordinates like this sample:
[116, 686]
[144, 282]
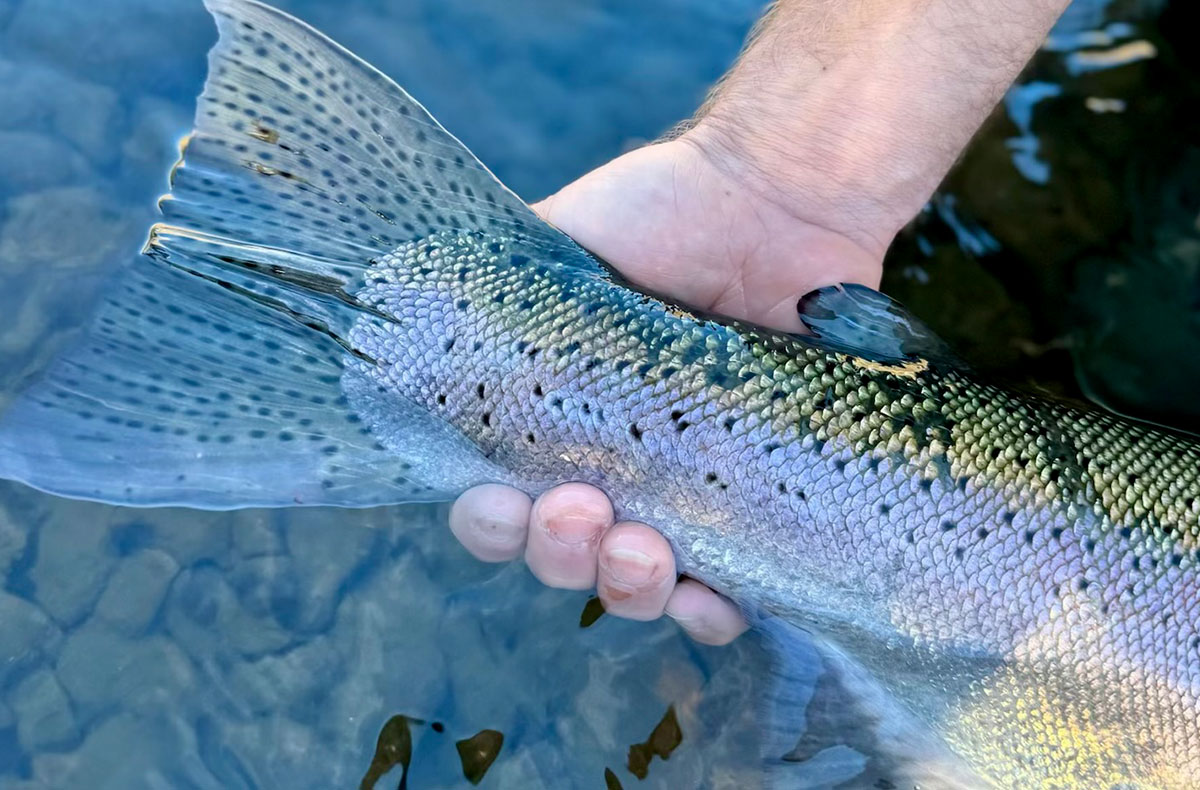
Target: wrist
[850, 118]
[847, 192]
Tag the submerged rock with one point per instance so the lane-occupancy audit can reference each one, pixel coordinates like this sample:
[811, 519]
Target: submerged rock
[43, 713]
[43, 99]
[135, 591]
[101, 669]
[72, 227]
[27, 636]
[73, 560]
[37, 161]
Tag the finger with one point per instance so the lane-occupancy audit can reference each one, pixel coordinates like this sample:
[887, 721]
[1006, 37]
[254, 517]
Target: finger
[565, 527]
[491, 521]
[636, 571]
[544, 207]
[709, 618]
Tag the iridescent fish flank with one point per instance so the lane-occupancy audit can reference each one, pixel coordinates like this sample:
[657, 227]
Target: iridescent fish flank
[344, 307]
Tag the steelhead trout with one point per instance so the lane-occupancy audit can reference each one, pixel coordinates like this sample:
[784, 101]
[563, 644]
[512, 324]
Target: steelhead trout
[344, 307]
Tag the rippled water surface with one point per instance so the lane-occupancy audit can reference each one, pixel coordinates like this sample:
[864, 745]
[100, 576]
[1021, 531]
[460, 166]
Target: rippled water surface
[167, 648]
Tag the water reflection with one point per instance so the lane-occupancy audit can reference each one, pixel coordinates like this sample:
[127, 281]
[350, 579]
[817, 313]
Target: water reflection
[1082, 276]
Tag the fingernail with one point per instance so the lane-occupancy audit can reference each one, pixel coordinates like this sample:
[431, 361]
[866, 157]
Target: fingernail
[571, 531]
[496, 529]
[697, 627]
[631, 567]
[690, 622]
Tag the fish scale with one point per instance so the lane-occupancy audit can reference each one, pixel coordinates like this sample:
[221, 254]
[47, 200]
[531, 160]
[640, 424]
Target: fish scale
[344, 307]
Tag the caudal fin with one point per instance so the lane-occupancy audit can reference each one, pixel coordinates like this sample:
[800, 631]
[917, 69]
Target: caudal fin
[214, 376]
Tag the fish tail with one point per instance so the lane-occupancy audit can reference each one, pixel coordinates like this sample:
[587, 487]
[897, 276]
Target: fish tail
[216, 373]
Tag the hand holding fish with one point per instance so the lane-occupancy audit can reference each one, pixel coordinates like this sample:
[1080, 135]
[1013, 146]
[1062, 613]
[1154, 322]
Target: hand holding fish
[672, 221]
[800, 169]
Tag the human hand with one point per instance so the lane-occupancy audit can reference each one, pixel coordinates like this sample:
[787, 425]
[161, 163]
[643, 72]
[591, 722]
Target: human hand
[570, 541]
[674, 221]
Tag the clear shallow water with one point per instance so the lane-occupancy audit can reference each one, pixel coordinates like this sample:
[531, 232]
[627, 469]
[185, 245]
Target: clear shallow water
[266, 649]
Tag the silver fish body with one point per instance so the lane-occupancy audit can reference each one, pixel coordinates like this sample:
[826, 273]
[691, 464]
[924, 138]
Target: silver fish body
[970, 545]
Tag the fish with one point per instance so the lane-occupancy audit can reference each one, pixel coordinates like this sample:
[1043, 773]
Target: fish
[342, 306]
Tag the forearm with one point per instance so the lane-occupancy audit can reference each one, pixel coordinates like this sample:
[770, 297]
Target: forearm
[852, 111]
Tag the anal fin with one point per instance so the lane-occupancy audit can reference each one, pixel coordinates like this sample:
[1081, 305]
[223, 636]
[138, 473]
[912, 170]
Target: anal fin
[826, 723]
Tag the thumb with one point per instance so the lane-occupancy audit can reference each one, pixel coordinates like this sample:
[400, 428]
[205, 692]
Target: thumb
[544, 208]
